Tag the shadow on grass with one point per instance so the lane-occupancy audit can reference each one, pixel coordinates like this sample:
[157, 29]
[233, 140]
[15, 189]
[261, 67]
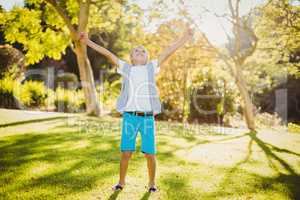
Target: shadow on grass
[281, 150]
[79, 168]
[169, 154]
[73, 162]
[32, 121]
[291, 180]
[236, 182]
[146, 196]
[114, 195]
[271, 155]
[177, 186]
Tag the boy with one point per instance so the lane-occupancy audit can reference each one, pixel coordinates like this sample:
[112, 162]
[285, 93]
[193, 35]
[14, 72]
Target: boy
[138, 102]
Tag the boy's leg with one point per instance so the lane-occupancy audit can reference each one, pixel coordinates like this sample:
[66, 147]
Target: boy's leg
[148, 146]
[127, 146]
[125, 157]
[151, 164]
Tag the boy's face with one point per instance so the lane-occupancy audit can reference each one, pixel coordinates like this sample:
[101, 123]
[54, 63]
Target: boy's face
[139, 56]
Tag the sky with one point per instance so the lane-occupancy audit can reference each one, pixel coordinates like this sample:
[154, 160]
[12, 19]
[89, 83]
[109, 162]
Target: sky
[8, 4]
[209, 24]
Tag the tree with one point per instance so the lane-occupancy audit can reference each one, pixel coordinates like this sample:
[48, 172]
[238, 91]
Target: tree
[11, 62]
[278, 27]
[238, 53]
[47, 27]
[282, 43]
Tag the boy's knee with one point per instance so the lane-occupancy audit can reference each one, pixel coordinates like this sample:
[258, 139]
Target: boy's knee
[126, 154]
[149, 156]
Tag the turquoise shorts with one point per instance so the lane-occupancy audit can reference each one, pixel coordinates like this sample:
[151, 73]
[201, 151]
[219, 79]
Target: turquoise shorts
[131, 125]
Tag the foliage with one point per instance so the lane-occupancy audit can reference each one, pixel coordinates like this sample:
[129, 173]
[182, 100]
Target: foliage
[47, 27]
[69, 100]
[276, 62]
[11, 61]
[189, 69]
[212, 99]
[278, 29]
[108, 93]
[268, 120]
[293, 128]
[24, 26]
[42, 31]
[176, 74]
[19, 96]
[67, 80]
[8, 90]
[33, 93]
[117, 27]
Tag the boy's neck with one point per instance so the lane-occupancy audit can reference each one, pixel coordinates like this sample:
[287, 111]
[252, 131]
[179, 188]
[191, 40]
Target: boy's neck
[137, 64]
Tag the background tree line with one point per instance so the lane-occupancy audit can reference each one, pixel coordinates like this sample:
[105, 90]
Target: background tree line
[263, 54]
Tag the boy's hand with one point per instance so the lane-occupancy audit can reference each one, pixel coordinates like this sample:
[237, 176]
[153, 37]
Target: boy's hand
[83, 37]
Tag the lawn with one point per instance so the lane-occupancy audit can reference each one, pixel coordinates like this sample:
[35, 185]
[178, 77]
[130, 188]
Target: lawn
[73, 156]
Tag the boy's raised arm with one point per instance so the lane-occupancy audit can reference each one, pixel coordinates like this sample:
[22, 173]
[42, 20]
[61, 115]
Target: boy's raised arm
[174, 46]
[112, 57]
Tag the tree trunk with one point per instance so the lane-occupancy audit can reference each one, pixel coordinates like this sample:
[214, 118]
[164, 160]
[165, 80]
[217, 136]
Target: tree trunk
[184, 92]
[87, 81]
[85, 70]
[248, 110]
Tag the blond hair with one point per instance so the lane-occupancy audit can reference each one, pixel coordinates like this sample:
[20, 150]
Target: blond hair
[139, 46]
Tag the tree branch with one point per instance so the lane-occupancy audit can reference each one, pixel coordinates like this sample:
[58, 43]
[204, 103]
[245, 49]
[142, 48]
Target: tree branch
[83, 15]
[64, 16]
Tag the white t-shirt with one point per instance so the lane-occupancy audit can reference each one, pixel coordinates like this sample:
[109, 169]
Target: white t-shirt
[138, 97]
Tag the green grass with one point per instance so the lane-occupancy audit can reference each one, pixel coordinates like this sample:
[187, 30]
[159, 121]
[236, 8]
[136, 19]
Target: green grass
[72, 156]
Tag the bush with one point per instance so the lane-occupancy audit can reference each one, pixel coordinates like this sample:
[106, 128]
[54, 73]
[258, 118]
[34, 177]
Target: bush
[108, 93]
[293, 128]
[66, 80]
[33, 93]
[214, 103]
[8, 90]
[69, 100]
[267, 120]
[11, 61]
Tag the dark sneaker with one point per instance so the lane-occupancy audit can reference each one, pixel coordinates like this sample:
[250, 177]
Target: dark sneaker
[152, 189]
[117, 187]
